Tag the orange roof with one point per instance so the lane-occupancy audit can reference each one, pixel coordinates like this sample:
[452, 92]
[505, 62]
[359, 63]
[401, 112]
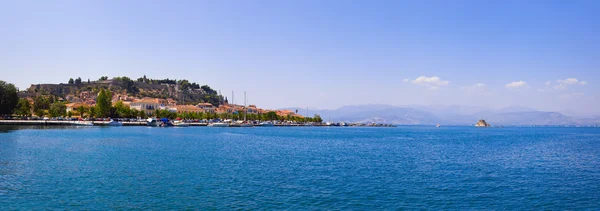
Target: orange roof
[188, 108]
[149, 100]
[204, 104]
[76, 105]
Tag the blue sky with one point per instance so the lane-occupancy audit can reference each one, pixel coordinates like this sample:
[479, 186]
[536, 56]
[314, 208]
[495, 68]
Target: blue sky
[321, 54]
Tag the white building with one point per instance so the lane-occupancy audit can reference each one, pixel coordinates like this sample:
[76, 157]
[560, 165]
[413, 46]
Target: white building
[148, 105]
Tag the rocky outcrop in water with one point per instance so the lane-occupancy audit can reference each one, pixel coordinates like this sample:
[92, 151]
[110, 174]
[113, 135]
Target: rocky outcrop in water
[482, 123]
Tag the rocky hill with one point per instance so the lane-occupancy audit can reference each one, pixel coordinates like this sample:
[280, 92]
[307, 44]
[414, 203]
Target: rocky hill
[180, 90]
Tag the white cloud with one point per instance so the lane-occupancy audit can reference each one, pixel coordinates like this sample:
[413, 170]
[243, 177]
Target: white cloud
[516, 85]
[568, 81]
[548, 83]
[406, 80]
[476, 89]
[563, 84]
[434, 83]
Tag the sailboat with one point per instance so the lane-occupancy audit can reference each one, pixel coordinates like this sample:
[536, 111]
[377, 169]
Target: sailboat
[245, 123]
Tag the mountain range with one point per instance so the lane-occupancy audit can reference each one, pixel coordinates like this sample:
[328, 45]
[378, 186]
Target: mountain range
[448, 115]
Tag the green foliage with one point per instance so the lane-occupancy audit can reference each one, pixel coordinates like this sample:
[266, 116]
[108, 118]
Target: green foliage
[71, 81]
[82, 110]
[123, 111]
[103, 103]
[69, 114]
[8, 98]
[78, 81]
[103, 78]
[92, 111]
[160, 113]
[317, 118]
[57, 110]
[127, 83]
[271, 115]
[23, 108]
[41, 103]
[39, 112]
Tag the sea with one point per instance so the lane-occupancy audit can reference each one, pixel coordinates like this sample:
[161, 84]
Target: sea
[299, 168]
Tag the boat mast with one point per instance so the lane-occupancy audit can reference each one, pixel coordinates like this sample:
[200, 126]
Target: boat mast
[305, 118]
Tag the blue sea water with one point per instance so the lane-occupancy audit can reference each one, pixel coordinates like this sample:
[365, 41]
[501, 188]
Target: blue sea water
[300, 168]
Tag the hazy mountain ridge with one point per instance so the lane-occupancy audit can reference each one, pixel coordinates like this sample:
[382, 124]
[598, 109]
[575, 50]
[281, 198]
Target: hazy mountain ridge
[449, 115]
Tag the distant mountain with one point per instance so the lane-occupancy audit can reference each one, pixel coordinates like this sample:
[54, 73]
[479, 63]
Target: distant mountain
[449, 115]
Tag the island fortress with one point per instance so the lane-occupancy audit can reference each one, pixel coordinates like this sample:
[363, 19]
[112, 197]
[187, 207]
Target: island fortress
[482, 123]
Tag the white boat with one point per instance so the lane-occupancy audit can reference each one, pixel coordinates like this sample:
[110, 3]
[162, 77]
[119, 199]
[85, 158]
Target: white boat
[218, 124]
[438, 125]
[82, 123]
[114, 123]
[153, 122]
[267, 124]
[178, 123]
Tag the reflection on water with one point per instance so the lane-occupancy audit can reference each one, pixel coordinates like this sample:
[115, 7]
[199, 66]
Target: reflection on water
[8, 128]
[11, 128]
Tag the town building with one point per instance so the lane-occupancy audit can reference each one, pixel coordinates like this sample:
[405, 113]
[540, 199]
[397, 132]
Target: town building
[148, 105]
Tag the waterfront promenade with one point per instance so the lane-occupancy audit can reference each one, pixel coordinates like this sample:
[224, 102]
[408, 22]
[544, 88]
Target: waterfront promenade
[143, 123]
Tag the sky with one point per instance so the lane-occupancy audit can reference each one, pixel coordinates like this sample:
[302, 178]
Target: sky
[320, 54]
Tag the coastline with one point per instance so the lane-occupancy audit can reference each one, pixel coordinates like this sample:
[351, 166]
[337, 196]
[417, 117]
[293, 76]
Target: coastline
[128, 124]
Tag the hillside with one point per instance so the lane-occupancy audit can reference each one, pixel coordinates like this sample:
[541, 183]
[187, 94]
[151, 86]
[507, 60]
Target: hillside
[180, 90]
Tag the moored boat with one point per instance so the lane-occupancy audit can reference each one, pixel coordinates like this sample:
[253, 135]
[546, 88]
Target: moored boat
[82, 123]
[114, 123]
[153, 122]
[179, 123]
[267, 124]
[218, 124]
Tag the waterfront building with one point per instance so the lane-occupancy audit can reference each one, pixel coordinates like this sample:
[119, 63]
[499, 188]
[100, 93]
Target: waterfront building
[207, 107]
[148, 105]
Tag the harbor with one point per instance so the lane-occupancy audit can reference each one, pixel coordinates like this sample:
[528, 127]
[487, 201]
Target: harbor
[189, 123]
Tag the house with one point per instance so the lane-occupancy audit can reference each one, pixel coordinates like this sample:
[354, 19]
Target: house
[252, 109]
[187, 109]
[224, 109]
[148, 105]
[287, 112]
[207, 107]
[72, 107]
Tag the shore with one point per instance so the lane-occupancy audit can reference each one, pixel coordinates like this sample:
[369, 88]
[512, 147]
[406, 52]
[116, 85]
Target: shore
[104, 123]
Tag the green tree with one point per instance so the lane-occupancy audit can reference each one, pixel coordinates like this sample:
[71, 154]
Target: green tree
[57, 110]
[23, 108]
[41, 103]
[78, 80]
[71, 81]
[39, 112]
[122, 110]
[82, 110]
[103, 78]
[317, 118]
[69, 114]
[271, 115]
[103, 103]
[8, 98]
